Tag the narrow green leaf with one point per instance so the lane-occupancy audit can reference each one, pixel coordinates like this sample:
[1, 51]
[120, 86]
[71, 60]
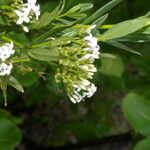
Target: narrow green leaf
[122, 46]
[15, 83]
[100, 21]
[48, 17]
[137, 112]
[102, 11]
[86, 6]
[124, 28]
[107, 55]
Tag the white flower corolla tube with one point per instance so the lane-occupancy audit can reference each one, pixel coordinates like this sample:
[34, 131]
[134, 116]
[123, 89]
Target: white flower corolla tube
[27, 13]
[6, 50]
[77, 67]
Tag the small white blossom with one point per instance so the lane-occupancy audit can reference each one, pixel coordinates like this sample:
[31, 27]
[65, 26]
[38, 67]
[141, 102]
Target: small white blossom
[23, 17]
[5, 69]
[27, 13]
[6, 51]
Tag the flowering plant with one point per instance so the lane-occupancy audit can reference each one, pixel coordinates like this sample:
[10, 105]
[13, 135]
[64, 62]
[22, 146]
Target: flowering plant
[68, 40]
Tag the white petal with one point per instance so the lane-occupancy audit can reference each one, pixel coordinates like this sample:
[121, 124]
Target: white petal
[19, 21]
[19, 13]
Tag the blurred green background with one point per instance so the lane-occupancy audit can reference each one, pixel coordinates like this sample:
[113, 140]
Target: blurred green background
[51, 120]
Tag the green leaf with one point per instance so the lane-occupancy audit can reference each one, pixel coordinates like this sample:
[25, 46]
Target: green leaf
[44, 54]
[15, 83]
[79, 8]
[86, 6]
[124, 28]
[102, 11]
[10, 135]
[111, 66]
[143, 145]
[7, 115]
[137, 112]
[100, 21]
[136, 37]
[146, 30]
[45, 19]
[48, 17]
[122, 46]
[27, 79]
[107, 55]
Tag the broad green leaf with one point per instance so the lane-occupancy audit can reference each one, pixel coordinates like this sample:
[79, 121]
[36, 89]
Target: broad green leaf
[4, 114]
[124, 28]
[44, 54]
[137, 112]
[102, 11]
[15, 83]
[146, 30]
[138, 37]
[143, 145]
[111, 66]
[122, 46]
[148, 14]
[10, 135]
[100, 21]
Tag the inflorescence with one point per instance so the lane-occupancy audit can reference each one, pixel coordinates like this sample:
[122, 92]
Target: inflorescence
[6, 50]
[77, 67]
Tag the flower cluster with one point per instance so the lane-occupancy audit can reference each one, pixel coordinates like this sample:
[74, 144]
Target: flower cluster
[6, 51]
[76, 67]
[27, 12]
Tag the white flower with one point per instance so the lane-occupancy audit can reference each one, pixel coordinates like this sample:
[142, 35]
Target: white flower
[31, 5]
[5, 69]
[23, 17]
[28, 12]
[92, 44]
[6, 51]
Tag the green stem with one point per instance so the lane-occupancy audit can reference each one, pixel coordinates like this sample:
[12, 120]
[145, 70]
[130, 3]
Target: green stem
[9, 40]
[21, 60]
[107, 26]
[39, 45]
